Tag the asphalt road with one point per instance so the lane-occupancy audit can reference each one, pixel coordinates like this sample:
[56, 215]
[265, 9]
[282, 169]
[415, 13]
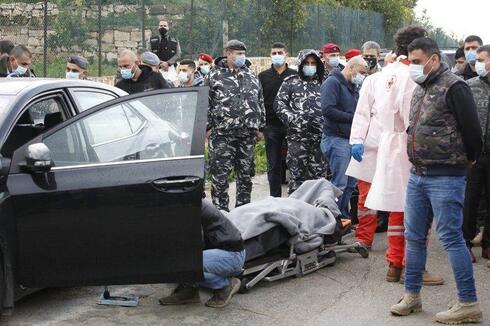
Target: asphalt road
[353, 292]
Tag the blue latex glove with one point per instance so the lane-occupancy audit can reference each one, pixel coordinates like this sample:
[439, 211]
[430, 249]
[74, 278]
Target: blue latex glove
[357, 151]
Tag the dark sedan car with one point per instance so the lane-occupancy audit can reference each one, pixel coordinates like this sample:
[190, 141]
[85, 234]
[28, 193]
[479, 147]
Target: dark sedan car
[99, 195]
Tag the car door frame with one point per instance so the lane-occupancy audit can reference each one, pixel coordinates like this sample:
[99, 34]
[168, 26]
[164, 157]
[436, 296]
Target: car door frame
[197, 145]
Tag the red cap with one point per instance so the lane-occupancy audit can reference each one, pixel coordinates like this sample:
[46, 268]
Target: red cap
[352, 53]
[205, 57]
[331, 48]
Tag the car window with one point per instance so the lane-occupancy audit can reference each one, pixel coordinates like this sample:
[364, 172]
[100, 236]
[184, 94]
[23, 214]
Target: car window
[152, 127]
[37, 118]
[88, 99]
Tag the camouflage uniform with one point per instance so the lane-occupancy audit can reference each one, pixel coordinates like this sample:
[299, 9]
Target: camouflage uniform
[298, 107]
[236, 113]
[481, 92]
[433, 135]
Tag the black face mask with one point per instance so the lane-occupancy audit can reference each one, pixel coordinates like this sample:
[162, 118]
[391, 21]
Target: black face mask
[372, 62]
[163, 31]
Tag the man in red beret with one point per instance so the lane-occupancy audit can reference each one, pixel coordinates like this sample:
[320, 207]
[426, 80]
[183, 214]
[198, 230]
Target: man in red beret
[331, 58]
[351, 54]
[205, 63]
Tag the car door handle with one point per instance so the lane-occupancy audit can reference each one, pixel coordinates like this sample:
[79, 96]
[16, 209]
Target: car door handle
[180, 184]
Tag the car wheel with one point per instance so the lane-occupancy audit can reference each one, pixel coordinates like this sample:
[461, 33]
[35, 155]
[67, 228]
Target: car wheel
[2, 285]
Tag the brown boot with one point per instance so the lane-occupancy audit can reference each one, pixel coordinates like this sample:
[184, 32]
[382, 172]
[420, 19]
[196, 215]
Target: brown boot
[428, 279]
[485, 253]
[394, 273]
[432, 279]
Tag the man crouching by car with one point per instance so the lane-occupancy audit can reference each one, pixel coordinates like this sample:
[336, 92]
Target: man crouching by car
[223, 258]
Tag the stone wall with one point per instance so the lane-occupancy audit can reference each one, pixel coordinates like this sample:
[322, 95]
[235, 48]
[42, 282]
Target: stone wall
[23, 24]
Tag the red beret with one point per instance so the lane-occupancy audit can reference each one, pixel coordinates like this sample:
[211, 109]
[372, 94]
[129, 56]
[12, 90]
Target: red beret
[206, 57]
[331, 48]
[352, 53]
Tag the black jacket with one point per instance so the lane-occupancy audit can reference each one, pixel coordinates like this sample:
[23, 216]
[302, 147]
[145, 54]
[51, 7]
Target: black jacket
[466, 73]
[271, 81]
[149, 80]
[219, 232]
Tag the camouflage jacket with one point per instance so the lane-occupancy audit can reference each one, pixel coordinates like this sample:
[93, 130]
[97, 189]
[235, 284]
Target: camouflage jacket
[236, 104]
[434, 138]
[297, 103]
[481, 92]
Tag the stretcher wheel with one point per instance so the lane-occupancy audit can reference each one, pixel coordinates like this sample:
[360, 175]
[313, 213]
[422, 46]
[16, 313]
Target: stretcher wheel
[243, 285]
[363, 251]
[332, 254]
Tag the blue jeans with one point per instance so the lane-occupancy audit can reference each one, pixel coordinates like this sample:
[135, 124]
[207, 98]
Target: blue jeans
[219, 265]
[440, 198]
[337, 152]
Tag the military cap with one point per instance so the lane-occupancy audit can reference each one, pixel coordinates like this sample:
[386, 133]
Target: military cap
[150, 58]
[235, 45]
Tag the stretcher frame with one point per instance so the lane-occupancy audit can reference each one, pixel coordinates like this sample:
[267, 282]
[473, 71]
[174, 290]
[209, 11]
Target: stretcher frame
[298, 265]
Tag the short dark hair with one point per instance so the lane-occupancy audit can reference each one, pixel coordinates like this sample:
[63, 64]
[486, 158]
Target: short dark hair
[278, 45]
[473, 38]
[140, 51]
[6, 46]
[20, 50]
[484, 48]
[426, 44]
[459, 53]
[404, 36]
[189, 63]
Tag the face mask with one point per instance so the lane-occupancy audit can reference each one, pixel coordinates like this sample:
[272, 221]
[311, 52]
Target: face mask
[163, 31]
[21, 70]
[126, 73]
[334, 62]
[417, 72]
[204, 69]
[470, 56]
[309, 70]
[240, 60]
[372, 62]
[358, 79]
[480, 69]
[278, 60]
[183, 78]
[72, 75]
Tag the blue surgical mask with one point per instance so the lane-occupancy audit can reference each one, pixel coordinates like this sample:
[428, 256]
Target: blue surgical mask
[240, 60]
[334, 62]
[204, 70]
[417, 72]
[480, 69]
[72, 75]
[126, 73]
[358, 79]
[278, 60]
[20, 70]
[309, 70]
[470, 56]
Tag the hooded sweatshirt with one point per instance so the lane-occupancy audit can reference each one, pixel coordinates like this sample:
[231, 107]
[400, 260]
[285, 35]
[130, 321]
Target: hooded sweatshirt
[297, 104]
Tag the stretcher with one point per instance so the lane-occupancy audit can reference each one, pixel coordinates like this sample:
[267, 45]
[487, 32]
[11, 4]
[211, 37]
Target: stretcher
[270, 258]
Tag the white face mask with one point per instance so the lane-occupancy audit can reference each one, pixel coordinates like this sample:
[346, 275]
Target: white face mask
[480, 69]
[358, 79]
[183, 78]
[72, 75]
[417, 72]
[21, 70]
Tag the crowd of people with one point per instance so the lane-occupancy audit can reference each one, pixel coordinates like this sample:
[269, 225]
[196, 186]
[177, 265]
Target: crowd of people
[411, 135]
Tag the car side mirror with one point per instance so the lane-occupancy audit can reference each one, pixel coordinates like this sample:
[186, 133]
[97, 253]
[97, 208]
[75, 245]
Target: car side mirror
[38, 158]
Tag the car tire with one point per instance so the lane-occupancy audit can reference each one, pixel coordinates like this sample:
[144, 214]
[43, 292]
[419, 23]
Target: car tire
[3, 285]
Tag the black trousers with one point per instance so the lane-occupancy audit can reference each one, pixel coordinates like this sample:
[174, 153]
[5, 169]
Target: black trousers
[274, 138]
[478, 182]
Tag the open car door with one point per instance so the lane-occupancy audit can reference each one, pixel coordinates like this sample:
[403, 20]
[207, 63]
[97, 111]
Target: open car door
[121, 202]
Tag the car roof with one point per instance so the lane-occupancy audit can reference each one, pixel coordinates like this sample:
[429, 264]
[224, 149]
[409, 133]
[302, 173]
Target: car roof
[14, 86]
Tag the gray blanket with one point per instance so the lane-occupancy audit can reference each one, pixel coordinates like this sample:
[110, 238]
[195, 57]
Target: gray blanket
[307, 215]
